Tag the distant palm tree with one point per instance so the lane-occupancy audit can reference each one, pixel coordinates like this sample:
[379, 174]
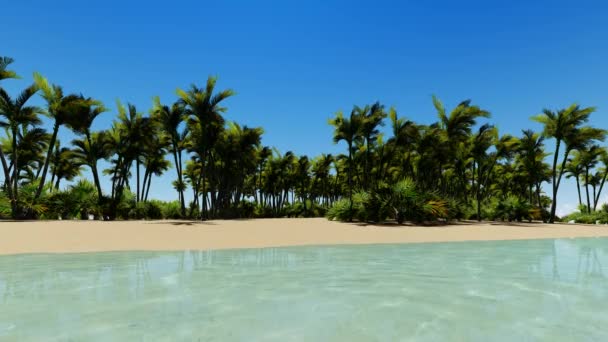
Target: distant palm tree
[574, 169]
[588, 158]
[64, 165]
[566, 127]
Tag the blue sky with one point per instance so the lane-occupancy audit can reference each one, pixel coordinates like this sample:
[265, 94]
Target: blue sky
[294, 64]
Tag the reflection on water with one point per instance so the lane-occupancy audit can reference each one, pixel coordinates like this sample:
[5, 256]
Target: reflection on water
[511, 290]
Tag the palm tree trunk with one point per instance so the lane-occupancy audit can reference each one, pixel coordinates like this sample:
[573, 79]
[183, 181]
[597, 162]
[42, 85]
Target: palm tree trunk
[599, 191]
[554, 184]
[53, 174]
[7, 178]
[587, 189]
[47, 160]
[15, 174]
[137, 196]
[578, 188]
[148, 187]
[204, 184]
[179, 180]
[350, 186]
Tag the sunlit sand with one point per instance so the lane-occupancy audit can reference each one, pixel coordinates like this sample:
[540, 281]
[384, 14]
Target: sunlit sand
[96, 236]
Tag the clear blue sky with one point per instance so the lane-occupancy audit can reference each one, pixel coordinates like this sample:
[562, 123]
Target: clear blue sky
[294, 64]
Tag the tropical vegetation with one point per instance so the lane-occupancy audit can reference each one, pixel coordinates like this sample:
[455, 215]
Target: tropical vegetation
[458, 167]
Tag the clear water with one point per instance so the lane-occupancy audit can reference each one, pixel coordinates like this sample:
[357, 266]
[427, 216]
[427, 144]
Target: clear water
[478, 291]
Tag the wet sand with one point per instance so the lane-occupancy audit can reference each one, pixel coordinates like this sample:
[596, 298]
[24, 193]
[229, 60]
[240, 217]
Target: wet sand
[96, 236]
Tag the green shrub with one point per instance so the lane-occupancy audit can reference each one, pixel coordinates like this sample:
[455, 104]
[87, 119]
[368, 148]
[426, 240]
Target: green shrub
[340, 210]
[171, 210]
[513, 208]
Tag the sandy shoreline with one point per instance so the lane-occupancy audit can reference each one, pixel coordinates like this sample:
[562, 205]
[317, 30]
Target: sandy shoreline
[96, 236]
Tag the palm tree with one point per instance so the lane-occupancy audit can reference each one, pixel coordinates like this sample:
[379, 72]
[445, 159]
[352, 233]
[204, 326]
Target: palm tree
[125, 139]
[349, 130]
[64, 165]
[574, 169]
[4, 73]
[63, 110]
[588, 158]
[171, 119]
[604, 174]
[482, 141]
[371, 118]
[89, 110]
[88, 151]
[531, 156]
[16, 114]
[566, 127]
[458, 124]
[206, 122]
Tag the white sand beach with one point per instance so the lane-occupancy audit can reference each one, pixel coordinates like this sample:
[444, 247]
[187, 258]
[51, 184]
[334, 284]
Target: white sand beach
[96, 236]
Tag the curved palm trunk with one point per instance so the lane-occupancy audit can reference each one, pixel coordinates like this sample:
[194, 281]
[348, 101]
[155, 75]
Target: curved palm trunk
[47, 161]
[599, 191]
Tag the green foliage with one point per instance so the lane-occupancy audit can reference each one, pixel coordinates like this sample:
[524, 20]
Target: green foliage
[5, 206]
[403, 200]
[411, 204]
[170, 210]
[587, 218]
[341, 210]
[246, 209]
[513, 209]
[151, 210]
[458, 167]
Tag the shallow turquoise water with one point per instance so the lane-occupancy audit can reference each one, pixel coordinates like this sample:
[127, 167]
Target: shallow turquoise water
[474, 291]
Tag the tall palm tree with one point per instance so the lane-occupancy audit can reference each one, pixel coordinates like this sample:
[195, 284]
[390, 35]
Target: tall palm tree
[171, 118]
[204, 107]
[89, 110]
[348, 130]
[531, 156]
[16, 114]
[566, 127]
[588, 158]
[371, 118]
[63, 110]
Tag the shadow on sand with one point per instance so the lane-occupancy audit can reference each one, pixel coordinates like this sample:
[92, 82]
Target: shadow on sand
[184, 223]
[393, 224]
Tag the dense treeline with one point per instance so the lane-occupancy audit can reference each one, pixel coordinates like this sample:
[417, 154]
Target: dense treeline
[458, 167]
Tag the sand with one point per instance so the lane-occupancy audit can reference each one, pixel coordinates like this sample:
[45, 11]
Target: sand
[96, 236]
